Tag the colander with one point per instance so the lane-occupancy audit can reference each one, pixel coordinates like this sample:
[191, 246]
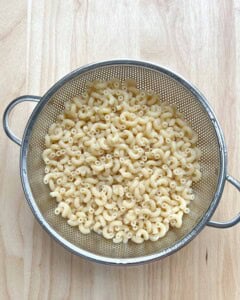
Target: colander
[172, 88]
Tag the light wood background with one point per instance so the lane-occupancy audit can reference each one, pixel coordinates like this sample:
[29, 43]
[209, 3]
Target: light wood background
[40, 41]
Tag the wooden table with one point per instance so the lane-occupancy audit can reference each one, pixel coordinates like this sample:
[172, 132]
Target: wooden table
[40, 41]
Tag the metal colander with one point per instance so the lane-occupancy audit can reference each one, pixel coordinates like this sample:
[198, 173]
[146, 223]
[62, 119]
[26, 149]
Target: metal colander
[172, 89]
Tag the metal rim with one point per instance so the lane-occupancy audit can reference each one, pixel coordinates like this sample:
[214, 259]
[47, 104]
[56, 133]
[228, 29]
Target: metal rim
[135, 260]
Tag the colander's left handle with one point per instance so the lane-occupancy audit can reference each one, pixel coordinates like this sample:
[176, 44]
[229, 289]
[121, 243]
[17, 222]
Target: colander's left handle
[9, 108]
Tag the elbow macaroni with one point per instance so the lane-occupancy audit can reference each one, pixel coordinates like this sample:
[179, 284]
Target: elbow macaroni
[121, 163]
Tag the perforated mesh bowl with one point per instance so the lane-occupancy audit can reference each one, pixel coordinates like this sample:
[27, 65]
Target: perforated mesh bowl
[173, 89]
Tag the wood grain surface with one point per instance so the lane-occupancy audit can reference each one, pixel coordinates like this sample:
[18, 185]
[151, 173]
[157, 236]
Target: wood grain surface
[40, 41]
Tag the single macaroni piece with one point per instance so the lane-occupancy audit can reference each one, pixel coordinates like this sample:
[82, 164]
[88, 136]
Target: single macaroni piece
[121, 162]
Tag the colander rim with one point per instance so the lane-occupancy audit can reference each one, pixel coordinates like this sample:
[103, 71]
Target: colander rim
[133, 260]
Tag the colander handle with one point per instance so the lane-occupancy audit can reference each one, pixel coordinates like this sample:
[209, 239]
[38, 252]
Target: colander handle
[7, 112]
[233, 221]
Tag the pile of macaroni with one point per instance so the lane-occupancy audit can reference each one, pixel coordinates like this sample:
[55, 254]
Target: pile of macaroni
[121, 163]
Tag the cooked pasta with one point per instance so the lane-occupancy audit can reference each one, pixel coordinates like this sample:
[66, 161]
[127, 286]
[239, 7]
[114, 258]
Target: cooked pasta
[121, 162]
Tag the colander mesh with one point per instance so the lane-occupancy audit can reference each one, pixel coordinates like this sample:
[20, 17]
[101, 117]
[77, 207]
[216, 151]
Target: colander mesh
[171, 91]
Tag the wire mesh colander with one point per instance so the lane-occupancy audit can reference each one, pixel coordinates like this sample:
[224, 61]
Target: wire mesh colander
[172, 89]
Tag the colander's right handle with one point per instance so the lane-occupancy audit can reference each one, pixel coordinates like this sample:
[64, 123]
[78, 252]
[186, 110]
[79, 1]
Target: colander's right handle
[235, 220]
[7, 112]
